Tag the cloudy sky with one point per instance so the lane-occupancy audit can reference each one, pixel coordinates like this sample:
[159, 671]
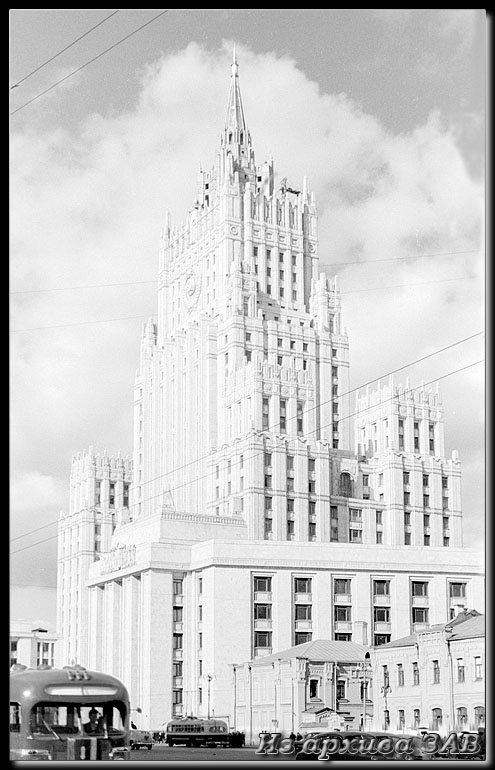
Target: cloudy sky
[383, 110]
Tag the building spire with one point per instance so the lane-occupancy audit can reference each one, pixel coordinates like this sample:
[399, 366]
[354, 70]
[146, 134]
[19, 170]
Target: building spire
[235, 114]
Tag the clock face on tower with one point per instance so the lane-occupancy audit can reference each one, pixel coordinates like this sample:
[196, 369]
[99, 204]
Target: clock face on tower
[192, 288]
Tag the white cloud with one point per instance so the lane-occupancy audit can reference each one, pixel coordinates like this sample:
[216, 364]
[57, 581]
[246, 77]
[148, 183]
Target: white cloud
[87, 206]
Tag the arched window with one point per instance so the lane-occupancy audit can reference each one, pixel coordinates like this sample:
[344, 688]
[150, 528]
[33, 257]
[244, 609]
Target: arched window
[241, 138]
[345, 485]
[437, 718]
[461, 716]
[479, 716]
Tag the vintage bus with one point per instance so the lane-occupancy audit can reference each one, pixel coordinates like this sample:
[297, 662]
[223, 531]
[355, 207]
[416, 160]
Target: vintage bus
[192, 731]
[67, 713]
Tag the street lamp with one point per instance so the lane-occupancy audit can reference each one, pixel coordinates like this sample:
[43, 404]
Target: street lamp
[208, 678]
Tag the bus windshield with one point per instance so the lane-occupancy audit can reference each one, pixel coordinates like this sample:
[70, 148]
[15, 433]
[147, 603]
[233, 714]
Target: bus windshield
[63, 719]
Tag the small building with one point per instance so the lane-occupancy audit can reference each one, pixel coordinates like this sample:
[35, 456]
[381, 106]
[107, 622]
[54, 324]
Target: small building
[32, 643]
[315, 686]
[433, 678]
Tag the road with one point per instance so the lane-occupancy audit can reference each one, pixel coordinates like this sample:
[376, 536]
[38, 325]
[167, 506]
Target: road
[161, 753]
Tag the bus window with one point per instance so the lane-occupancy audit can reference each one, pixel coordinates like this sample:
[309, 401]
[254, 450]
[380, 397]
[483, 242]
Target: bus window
[15, 717]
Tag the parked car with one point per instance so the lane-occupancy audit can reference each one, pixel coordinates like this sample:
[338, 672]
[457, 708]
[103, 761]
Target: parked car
[141, 739]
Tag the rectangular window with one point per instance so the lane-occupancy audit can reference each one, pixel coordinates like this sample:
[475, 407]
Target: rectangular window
[342, 613]
[355, 536]
[266, 408]
[436, 672]
[111, 501]
[381, 587]
[420, 614]
[426, 520]
[126, 496]
[290, 527]
[177, 668]
[177, 587]
[416, 718]
[478, 668]
[312, 508]
[380, 639]
[263, 584]
[177, 640]
[457, 589]
[302, 585]
[262, 639]
[98, 493]
[426, 501]
[379, 517]
[407, 519]
[342, 637]
[200, 640]
[177, 614]
[283, 415]
[460, 670]
[177, 696]
[301, 637]
[419, 588]
[262, 611]
[415, 673]
[431, 438]
[426, 480]
[381, 614]
[401, 435]
[445, 482]
[268, 482]
[341, 586]
[426, 540]
[299, 418]
[407, 498]
[400, 675]
[355, 514]
[303, 611]
[290, 505]
[407, 538]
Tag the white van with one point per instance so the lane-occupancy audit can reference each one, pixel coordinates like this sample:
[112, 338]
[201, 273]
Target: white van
[140, 739]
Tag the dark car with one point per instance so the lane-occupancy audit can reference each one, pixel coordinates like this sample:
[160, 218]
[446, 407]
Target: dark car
[355, 746]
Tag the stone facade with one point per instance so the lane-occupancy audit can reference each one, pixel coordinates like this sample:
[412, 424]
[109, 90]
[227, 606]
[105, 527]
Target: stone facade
[255, 521]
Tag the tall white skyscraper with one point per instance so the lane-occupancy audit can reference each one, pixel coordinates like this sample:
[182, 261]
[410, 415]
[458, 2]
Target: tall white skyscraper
[256, 519]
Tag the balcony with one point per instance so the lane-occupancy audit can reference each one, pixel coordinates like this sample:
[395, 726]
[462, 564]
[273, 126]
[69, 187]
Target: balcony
[260, 652]
[354, 524]
[455, 600]
[303, 625]
[304, 598]
[262, 625]
[420, 601]
[343, 625]
[341, 598]
[381, 599]
[381, 627]
[420, 627]
[263, 597]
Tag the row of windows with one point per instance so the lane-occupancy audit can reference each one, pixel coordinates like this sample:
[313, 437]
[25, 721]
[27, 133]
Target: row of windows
[436, 717]
[111, 497]
[426, 501]
[459, 672]
[343, 586]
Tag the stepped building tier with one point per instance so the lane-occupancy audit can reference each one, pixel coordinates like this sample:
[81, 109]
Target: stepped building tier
[265, 507]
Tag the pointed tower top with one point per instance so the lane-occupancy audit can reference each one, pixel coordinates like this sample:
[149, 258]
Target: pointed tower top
[235, 113]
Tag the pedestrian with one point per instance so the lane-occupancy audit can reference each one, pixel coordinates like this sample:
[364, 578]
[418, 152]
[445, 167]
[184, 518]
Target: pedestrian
[292, 737]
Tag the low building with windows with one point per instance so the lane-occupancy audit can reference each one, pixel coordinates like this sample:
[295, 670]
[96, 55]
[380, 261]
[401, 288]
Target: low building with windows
[319, 685]
[32, 644]
[433, 678]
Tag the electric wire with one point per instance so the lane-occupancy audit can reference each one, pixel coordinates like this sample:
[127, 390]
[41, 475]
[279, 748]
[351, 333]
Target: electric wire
[325, 265]
[30, 101]
[128, 318]
[16, 85]
[210, 473]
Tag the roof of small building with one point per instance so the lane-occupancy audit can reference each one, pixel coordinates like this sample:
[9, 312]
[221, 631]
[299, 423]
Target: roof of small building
[319, 650]
[467, 625]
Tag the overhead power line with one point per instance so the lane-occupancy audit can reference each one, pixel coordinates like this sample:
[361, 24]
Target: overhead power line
[360, 387]
[331, 264]
[16, 85]
[352, 291]
[89, 62]
[208, 475]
